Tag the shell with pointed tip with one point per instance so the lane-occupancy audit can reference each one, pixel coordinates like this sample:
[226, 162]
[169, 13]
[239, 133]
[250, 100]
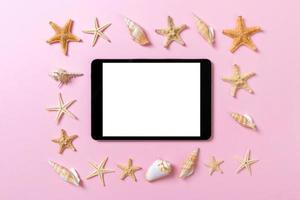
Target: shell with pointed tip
[63, 76]
[158, 170]
[188, 166]
[206, 31]
[244, 120]
[137, 33]
[68, 175]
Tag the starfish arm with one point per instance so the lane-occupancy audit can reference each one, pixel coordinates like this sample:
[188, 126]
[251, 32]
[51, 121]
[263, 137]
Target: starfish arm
[249, 43]
[129, 162]
[161, 31]
[54, 39]
[60, 99]
[56, 28]
[182, 28]
[240, 23]
[136, 168]
[108, 171]
[61, 149]
[93, 165]
[132, 175]
[247, 88]
[96, 36]
[63, 133]
[101, 177]
[167, 42]
[102, 164]
[64, 45]
[230, 33]
[180, 41]
[55, 140]
[59, 116]
[68, 26]
[211, 171]
[248, 76]
[96, 24]
[170, 22]
[236, 44]
[67, 105]
[228, 80]
[234, 90]
[73, 137]
[123, 176]
[104, 27]
[70, 114]
[241, 167]
[104, 37]
[53, 109]
[236, 70]
[73, 38]
[89, 31]
[72, 147]
[93, 174]
[121, 167]
[253, 30]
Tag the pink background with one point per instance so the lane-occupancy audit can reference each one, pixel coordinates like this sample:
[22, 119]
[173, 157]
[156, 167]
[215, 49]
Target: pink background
[26, 129]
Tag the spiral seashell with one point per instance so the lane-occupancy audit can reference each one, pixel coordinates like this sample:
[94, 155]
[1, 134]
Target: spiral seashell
[244, 120]
[67, 175]
[63, 77]
[188, 166]
[137, 33]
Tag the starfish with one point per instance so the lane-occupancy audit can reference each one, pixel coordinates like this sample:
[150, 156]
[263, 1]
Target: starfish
[214, 166]
[241, 35]
[98, 31]
[172, 33]
[129, 170]
[62, 109]
[63, 35]
[239, 81]
[246, 163]
[65, 141]
[100, 171]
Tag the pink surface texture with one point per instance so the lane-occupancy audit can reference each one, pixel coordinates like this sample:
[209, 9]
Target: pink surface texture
[26, 128]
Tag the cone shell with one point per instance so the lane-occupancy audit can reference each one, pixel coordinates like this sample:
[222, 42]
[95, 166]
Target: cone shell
[159, 169]
[188, 166]
[244, 120]
[206, 31]
[67, 175]
[137, 33]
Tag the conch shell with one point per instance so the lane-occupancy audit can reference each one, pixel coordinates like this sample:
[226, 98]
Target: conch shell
[206, 31]
[63, 77]
[159, 169]
[244, 120]
[68, 175]
[137, 33]
[188, 166]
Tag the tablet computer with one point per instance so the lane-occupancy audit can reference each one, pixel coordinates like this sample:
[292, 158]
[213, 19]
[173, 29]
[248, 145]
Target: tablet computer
[151, 99]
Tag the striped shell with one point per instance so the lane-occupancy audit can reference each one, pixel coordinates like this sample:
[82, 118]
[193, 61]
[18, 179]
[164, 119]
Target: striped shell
[137, 33]
[244, 120]
[206, 31]
[67, 175]
[188, 166]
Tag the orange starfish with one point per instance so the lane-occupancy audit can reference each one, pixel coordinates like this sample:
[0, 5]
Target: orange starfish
[63, 35]
[241, 35]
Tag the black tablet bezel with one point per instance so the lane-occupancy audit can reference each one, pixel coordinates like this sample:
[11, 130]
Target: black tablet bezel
[97, 101]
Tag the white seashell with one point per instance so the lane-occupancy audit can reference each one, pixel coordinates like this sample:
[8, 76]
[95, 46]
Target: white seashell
[68, 175]
[137, 33]
[159, 169]
[206, 31]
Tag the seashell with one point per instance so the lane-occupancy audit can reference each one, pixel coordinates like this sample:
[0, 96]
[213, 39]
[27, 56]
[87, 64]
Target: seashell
[206, 31]
[63, 77]
[244, 120]
[189, 164]
[159, 169]
[68, 175]
[137, 33]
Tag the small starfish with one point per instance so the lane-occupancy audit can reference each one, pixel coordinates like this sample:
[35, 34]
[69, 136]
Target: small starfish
[62, 109]
[172, 33]
[129, 170]
[214, 166]
[63, 35]
[241, 35]
[65, 141]
[98, 32]
[246, 163]
[239, 81]
[100, 171]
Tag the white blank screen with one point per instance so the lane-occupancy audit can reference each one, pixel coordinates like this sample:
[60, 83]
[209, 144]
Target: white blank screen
[151, 99]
